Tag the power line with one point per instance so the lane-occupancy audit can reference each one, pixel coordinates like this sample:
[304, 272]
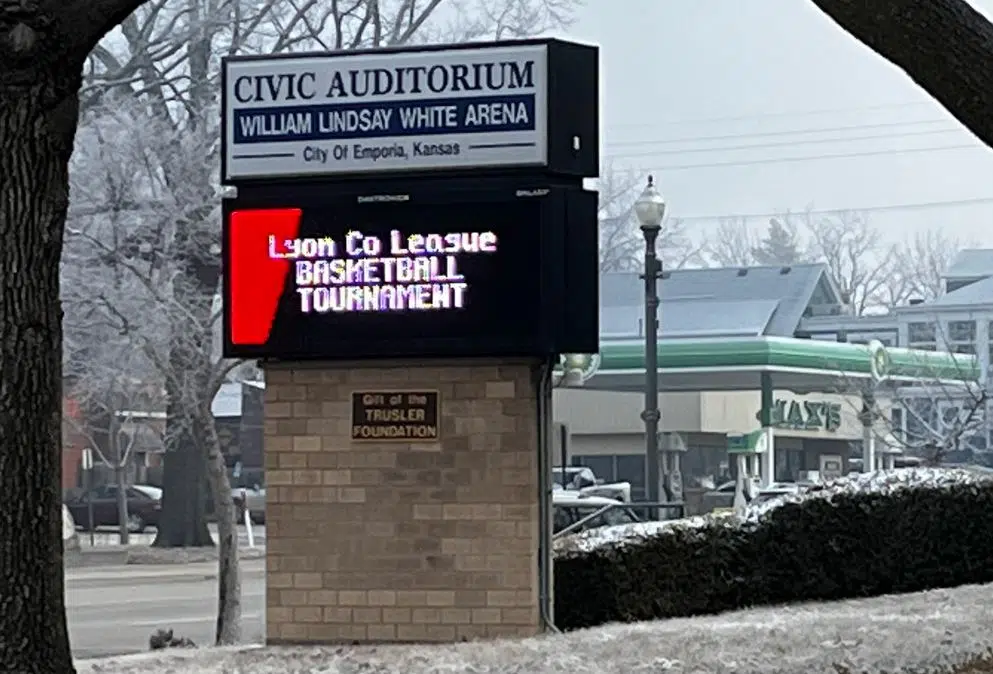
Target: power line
[774, 134]
[786, 143]
[772, 115]
[863, 209]
[820, 157]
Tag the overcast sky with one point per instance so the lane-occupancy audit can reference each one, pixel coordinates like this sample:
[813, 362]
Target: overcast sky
[678, 72]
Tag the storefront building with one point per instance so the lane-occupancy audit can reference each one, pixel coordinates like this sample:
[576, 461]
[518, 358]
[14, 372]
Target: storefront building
[605, 432]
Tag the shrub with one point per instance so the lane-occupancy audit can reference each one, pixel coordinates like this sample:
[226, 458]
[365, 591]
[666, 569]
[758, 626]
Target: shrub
[866, 535]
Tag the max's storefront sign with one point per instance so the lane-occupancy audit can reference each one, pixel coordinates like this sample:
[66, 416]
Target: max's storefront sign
[806, 415]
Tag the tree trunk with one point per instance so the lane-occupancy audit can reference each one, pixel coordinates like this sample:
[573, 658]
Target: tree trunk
[183, 521]
[38, 117]
[184, 480]
[945, 46]
[228, 569]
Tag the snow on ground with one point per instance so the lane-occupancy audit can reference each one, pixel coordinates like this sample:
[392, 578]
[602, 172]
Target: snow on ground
[150, 555]
[883, 482]
[890, 633]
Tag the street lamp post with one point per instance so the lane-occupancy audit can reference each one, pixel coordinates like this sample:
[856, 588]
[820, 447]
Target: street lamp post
[650, 209]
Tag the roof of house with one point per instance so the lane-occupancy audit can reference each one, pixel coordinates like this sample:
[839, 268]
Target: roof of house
[978, 293]
[971, 263]
[713, 302]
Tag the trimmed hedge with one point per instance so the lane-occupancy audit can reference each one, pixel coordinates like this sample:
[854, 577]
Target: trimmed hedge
[838, 546]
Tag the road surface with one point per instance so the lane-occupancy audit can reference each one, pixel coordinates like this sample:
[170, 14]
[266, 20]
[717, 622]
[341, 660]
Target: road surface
[112, 611]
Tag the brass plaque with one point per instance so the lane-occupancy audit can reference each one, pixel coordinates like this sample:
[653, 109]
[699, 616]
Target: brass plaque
[395, 416]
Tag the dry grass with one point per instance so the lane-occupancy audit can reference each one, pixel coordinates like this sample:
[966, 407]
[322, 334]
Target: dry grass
[909, 633]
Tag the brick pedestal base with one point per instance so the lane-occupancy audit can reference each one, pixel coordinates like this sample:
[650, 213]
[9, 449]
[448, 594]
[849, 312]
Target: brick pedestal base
[400, 541]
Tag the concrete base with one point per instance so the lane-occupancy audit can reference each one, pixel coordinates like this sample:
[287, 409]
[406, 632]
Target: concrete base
[401, 541]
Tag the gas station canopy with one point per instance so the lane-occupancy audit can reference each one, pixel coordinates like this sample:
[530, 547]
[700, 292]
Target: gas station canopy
[799, 365]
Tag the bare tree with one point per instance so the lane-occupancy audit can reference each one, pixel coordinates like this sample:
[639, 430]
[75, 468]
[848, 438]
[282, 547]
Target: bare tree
[123, 225]
[43, 47]
[939, 423]
[852, 248]
[934, 420]
[621, 242]
[113, 406]
[945, 46]
[921, 262]
[733, 244]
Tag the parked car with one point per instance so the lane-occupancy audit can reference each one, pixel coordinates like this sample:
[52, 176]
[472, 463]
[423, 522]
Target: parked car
[570, 507]
[144, 506]
[720, 497]
[574, 477]
[777, 489]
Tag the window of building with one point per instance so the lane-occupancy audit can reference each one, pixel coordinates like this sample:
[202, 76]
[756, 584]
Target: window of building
[789, 463]
[962, 336]
[631, 468]
[923, 336]
[896, 424]
[963, 424]
[919, 420]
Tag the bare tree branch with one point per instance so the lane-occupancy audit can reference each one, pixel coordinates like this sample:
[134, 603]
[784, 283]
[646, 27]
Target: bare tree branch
[733, 244]
[852, 248]
[621, 242]
[921, 262]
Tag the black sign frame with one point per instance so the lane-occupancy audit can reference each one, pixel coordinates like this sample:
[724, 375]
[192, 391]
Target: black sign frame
[566, 319]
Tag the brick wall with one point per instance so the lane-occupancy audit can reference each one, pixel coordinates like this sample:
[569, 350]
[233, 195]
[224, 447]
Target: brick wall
[393, 541]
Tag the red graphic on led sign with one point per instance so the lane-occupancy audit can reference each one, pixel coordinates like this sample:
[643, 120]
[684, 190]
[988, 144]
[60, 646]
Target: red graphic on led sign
[256, 278]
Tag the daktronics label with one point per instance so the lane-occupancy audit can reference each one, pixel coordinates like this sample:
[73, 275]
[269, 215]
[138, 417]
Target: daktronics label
[305, 282]
[334, 114]
[363, 272]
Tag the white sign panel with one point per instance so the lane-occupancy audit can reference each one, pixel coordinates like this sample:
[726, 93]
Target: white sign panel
[406, 111]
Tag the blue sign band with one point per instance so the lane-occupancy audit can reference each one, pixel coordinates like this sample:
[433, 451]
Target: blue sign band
[484, 114]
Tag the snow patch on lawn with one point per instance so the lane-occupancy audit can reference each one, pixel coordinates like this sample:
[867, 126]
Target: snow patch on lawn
[889, 633]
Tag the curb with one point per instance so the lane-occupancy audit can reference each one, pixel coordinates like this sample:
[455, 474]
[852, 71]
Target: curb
[130, 573]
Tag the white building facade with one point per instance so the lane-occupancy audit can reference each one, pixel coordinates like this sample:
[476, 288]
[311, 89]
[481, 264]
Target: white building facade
[958, 321]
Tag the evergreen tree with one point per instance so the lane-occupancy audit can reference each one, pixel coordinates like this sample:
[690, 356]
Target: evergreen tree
[781, 245]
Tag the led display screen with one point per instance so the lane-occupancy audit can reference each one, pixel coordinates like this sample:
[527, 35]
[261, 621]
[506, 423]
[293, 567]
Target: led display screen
[344, 279]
